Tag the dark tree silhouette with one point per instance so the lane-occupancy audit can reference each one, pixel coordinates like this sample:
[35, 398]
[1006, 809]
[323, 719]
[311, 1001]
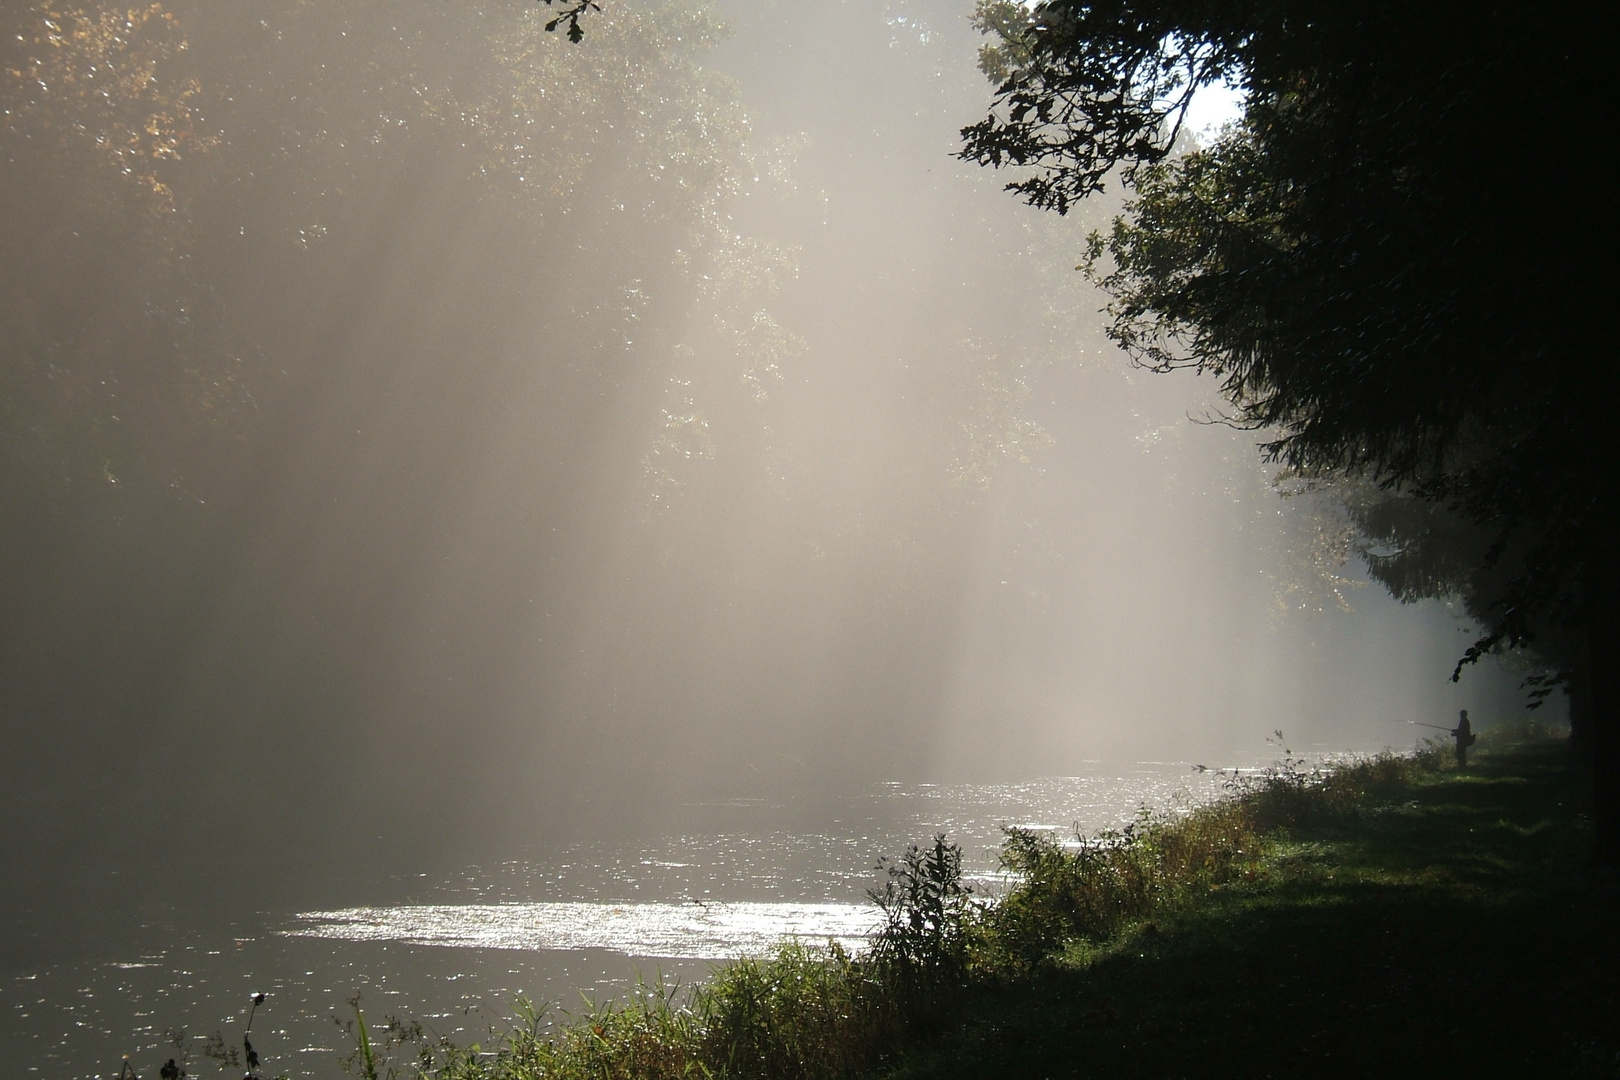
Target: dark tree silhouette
[1392, 262]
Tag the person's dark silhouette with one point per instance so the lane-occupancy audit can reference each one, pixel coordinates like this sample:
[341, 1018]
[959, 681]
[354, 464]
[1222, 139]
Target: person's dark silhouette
[171, 1071]
[1464, 734]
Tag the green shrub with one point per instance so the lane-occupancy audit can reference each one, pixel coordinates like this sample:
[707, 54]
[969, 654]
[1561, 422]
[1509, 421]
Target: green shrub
[1092, 890]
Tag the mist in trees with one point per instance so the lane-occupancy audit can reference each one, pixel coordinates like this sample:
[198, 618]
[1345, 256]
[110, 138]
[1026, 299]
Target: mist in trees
[423, 434]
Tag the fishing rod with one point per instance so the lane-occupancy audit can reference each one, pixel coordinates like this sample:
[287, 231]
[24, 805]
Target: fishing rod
[1436, 727]
[247, 1044]
[257, 999]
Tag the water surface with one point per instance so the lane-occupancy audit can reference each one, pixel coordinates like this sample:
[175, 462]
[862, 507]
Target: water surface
[556, 924]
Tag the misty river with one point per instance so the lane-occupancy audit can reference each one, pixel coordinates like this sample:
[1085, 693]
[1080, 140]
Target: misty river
[455, 950]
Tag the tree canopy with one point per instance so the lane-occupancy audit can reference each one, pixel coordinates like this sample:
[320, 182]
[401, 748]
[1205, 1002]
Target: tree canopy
[1390, 261]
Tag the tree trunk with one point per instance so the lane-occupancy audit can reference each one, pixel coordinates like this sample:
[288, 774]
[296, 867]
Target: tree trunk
[1578, 691]
[1603, 714]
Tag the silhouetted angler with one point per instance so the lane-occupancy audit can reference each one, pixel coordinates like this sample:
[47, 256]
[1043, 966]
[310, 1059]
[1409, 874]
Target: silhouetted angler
[1464, 734]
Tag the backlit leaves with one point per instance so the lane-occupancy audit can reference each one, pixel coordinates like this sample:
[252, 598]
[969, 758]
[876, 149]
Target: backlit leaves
[638, 101]
[94, 81]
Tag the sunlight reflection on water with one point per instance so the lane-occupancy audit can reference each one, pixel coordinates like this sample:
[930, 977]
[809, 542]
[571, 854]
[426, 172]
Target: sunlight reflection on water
[696, 931]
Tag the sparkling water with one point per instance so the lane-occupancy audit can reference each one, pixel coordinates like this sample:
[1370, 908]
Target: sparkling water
[558, 926]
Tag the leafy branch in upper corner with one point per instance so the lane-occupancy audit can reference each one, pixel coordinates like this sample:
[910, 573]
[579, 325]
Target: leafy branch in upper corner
[569, 13]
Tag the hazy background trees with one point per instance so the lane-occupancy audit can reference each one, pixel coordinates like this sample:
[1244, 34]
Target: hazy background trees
[423, 435]
[269, 273]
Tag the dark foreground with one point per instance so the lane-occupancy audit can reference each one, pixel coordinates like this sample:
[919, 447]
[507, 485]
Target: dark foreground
[1456, 928]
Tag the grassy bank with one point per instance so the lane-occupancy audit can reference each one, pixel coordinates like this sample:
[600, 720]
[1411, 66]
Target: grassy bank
[1393, 917]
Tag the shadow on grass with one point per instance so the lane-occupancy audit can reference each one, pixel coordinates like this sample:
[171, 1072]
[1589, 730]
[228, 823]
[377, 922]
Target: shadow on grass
[1458, 931]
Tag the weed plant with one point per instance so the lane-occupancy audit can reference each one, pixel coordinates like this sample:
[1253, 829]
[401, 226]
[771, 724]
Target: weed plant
[818, 1013]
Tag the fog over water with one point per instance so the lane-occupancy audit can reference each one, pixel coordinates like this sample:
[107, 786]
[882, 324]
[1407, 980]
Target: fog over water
[472, 441]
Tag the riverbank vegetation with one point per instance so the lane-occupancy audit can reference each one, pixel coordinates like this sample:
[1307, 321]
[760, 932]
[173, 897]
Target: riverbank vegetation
[1394, 915]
